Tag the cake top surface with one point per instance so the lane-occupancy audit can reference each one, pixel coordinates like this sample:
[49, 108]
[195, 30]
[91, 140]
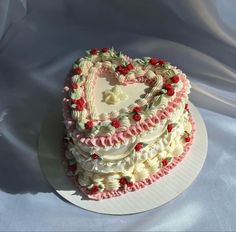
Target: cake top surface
[108, 94]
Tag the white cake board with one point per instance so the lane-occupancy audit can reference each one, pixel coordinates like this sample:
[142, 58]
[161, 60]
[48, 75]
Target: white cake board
[160, 192]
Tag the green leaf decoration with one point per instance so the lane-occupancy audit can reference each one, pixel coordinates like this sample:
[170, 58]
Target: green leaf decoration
[73, 106]
[145, 107]
[81, 78]
[169, 72]
[144, 145]
[124, 63]
[81, 125]
[166, 65]
[169, 159]
[128, 178]
[146, 59]
[75, 65]
[164, 91]
[158, 101]
[140, 61]
[73, 95]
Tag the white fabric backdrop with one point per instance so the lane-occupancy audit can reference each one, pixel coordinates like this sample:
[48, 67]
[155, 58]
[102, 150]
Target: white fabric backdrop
[39, 42]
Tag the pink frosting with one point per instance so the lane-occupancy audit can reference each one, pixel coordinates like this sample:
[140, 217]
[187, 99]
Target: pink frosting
[140, 184]
[133, 130]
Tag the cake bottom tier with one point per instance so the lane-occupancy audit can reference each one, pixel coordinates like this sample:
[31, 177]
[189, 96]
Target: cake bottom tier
[101, 186]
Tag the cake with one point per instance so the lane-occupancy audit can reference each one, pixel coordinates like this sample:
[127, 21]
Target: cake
[127, 122]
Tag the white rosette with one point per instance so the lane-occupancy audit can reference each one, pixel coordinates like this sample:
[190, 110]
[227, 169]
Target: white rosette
[112, 182]
[124, 123]
[153, 165]
[140, 172]
[85, 65]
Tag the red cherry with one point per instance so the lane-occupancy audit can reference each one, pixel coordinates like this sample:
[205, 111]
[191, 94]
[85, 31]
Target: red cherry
[188, 139]
[72, 168]
[138, 147]
[186, 107]
[169, 127]
[164, 162]
[170, 92]
[168, 86]
[74, 85]
[130, 184]
[79, 107]
[79, 104]
[123, 181]
[175, 79]
[153, 61]
[94, 51]
[124, 71]
[136, 117]
[95, 156]
[78, 70]
[130, 66]
[115, 123]
[161, 62]
[137, 109]
[80, 101]
[118, 68]
[105, 50]
[89, 125]
[94, 189]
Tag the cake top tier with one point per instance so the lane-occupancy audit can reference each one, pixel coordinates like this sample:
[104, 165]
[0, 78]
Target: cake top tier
[107, 93]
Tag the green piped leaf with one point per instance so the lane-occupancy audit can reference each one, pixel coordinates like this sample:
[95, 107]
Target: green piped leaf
[158, 101]
[75, 95]
[140, 61]
[144, 144]
[124, 63]
[75, 65]
[168, 159]
[169, 73]
[164, 91]
[146, 59]
[166, 65]
[128, 178]
[81, 125]
[73, 106]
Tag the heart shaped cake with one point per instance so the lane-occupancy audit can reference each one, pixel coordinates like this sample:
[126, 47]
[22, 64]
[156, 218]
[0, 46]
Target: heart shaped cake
[127, 122]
